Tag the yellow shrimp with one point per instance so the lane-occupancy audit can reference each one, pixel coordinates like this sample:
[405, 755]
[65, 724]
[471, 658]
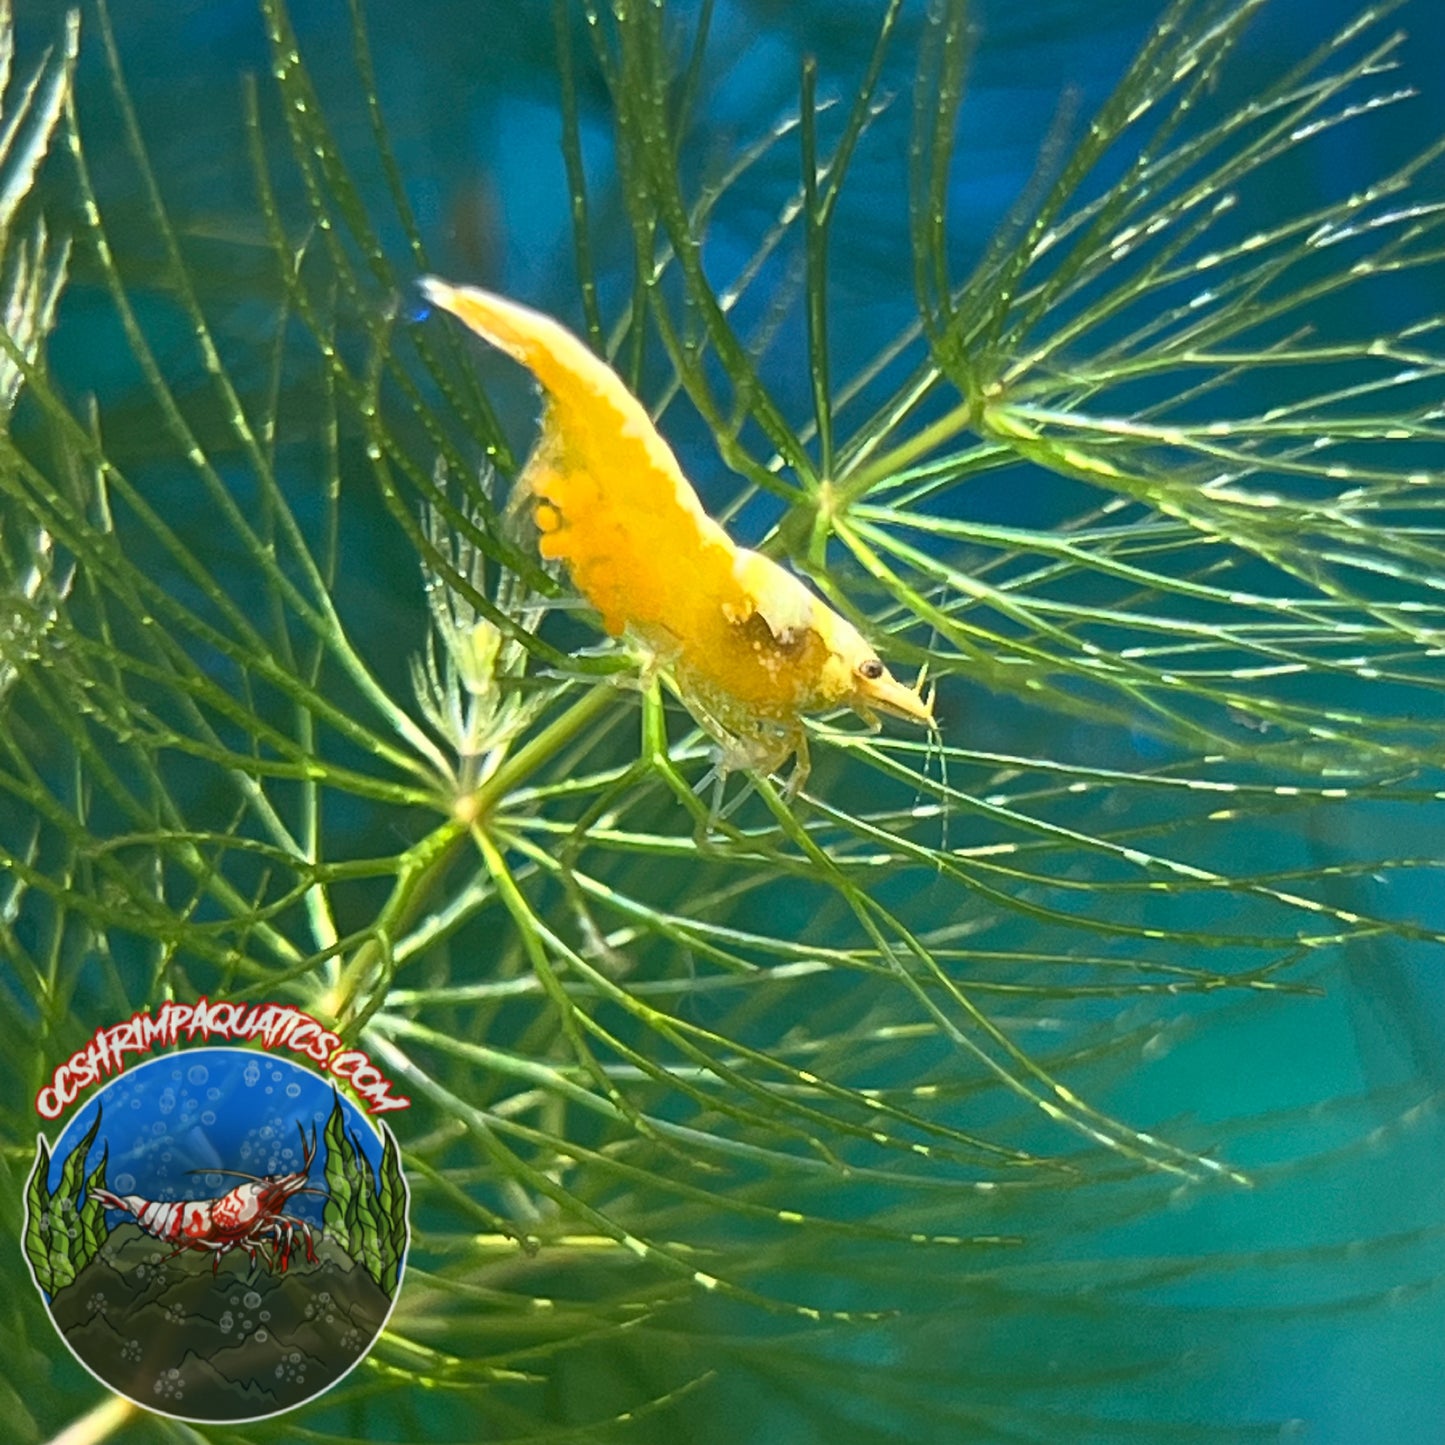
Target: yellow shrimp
[747, 646]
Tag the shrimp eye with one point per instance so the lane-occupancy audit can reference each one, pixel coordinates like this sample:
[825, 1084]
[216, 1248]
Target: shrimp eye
[871, 670]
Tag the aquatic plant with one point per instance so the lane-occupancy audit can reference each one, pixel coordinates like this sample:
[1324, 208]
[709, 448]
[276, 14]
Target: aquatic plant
[720, 1109]
[365, 1211]
[64, 1226]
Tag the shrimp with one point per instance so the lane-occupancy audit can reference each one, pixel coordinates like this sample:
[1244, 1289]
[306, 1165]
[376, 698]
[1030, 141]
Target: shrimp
[250, 1217]
[746, 645]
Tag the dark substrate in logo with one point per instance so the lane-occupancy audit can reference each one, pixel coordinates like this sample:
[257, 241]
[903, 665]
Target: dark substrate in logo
[218, 1235]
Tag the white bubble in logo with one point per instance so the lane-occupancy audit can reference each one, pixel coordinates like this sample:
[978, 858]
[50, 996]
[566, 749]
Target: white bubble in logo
[249, 1143]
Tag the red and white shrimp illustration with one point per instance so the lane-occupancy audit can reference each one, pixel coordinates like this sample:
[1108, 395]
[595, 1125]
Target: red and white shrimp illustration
[250, 1217]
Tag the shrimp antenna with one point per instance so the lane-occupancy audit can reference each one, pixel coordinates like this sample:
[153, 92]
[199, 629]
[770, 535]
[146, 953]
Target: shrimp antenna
[935, 737]
[254, 1178]
[935, 740]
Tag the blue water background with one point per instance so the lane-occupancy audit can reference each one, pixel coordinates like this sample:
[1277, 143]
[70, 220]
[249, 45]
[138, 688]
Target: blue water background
[1346, 1350]
[172, 1126]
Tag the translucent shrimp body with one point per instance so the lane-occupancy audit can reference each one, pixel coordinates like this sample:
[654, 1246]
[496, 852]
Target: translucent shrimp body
[748, 646]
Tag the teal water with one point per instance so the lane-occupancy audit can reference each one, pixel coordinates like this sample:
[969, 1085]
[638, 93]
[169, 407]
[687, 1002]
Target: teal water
[1307, 1306]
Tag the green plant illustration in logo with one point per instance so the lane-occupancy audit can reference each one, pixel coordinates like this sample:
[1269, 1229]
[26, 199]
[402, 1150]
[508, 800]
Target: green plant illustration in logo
[365, 1211]
[64, 1227]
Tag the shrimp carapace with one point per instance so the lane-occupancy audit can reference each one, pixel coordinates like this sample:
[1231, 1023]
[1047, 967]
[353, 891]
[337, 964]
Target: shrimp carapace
[749, 647]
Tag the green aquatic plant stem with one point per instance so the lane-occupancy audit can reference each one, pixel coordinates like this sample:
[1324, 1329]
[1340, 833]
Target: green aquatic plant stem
[419, 871]
[99, 1423]
[422, 868]
[531, 756]
[850, 487]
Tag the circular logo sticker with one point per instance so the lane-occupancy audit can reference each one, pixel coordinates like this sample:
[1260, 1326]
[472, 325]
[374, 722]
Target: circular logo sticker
[218, 1234]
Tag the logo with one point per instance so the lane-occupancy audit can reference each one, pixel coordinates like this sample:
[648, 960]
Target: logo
[219, 1234]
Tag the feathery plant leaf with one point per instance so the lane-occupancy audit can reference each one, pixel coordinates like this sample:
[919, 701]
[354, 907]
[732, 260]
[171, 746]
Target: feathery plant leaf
[829, 1059]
